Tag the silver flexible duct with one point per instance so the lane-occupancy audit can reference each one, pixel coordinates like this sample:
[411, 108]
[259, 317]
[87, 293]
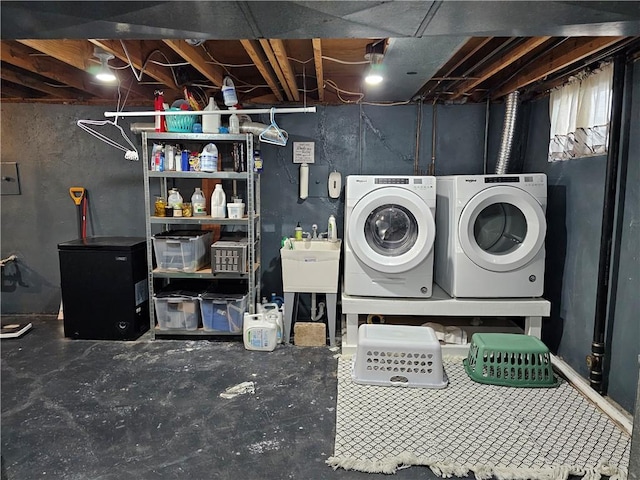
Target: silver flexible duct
[257, 128]
[142, 127]
[510, 117]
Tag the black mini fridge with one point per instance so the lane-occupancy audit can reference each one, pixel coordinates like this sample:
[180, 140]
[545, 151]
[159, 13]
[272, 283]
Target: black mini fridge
[105, 290]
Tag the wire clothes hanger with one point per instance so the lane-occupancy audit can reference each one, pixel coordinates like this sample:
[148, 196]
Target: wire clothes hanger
[129, 149]
[273, 134]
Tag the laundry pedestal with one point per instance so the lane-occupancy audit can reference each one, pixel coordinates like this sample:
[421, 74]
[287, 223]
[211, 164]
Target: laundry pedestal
[441, 304]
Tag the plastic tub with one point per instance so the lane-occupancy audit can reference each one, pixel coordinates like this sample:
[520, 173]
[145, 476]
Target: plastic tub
[223, 313]
[235, 210]
[177, 312]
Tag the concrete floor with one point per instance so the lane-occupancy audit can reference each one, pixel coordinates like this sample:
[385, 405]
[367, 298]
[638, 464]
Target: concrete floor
[109, 410]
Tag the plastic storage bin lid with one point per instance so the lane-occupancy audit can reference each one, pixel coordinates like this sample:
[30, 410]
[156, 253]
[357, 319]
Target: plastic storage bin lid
[177, 294]
[182, 234]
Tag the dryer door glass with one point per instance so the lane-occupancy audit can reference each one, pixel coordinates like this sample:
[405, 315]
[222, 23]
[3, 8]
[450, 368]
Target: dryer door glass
[391, 230]
[500, 228]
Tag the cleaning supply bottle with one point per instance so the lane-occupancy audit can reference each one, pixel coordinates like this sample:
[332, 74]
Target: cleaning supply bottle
[211, 123]
[298, 230]
[332, 232]
[198, 203]
[218, 202]
[229, 92]
[234, 123]
[209, 158]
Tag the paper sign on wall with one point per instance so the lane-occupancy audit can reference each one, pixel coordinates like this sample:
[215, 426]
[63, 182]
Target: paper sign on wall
[303, 152]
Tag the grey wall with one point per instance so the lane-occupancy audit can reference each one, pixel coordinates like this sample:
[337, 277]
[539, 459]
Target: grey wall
[54, 154]
[574, 216]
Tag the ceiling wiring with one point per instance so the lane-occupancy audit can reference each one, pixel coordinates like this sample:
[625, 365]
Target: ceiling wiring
[345, 62]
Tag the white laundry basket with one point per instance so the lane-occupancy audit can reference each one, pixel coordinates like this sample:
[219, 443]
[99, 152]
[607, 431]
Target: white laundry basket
[398, 355]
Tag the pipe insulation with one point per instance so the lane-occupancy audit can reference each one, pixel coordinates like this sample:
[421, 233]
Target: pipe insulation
[510, 117]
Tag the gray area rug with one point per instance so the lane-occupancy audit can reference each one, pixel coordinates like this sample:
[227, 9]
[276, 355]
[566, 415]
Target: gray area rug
[505, 432]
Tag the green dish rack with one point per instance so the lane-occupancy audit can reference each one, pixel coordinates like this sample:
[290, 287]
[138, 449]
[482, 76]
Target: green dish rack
[510, 360]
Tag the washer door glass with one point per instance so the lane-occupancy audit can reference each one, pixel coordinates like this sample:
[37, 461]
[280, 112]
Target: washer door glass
[502, 228]
[391, 229]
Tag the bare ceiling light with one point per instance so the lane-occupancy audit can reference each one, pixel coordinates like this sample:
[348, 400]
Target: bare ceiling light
[375, 54]
[104, 74]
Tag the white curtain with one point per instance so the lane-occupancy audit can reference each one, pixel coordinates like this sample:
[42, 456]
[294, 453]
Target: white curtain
[579, 113]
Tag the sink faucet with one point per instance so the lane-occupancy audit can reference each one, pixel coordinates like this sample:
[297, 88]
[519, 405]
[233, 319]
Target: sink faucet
[314, 229]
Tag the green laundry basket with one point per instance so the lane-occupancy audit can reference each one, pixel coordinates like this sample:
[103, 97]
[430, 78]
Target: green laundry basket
[509, 359]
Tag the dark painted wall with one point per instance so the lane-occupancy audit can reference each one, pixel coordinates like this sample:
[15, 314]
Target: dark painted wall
[54, 154]
[574, 215]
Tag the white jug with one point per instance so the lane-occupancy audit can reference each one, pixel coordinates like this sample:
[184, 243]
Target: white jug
[218, 202]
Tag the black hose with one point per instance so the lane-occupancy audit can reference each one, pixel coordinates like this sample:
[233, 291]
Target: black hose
[597, 357]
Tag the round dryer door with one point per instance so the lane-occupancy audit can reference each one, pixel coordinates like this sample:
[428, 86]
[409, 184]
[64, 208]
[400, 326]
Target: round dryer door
[391, 230]
[502, 228]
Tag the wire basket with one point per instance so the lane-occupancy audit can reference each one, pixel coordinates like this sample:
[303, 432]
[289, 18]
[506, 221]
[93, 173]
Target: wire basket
[180, 123]
[510, 360]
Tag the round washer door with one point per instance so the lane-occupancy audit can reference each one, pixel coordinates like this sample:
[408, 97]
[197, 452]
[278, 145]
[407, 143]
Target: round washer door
[502, 228]
[391, 230]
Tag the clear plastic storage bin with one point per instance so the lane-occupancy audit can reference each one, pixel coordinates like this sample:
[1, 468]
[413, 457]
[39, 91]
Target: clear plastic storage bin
[398, 355]
[183, 251]
[176, 311]
[223, 313]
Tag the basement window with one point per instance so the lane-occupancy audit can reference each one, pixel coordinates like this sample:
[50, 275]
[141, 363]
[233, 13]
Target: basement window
[580, 113]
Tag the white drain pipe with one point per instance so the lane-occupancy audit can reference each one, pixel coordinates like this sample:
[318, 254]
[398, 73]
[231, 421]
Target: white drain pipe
[320, 306]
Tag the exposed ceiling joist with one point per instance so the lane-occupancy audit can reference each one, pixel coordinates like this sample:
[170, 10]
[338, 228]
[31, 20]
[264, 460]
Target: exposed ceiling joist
[266, 46]
[30, 82]
[137, 58]
[567, 53]
[499, 64]
[21, 56]
[257, 56]
[317, 60]
[198, 59]
[10, 90]
[283, 60]
[76, 53]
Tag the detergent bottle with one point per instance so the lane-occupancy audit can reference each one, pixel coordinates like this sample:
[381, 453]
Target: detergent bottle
[234, 123]
[218, 202]
[211, 123]
[332, 233]
[198, 203]
[258, 333]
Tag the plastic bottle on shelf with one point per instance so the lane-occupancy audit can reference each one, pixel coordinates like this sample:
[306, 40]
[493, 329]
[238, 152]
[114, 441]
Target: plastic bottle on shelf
[211, 123]
[332, 233]
[234, 123]
[198, 203]
[209, 158]
[229, 92]
[218, 202]
[175, 201]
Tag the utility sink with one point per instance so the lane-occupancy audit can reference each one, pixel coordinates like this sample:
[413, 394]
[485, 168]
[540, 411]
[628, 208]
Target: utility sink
[310, 265]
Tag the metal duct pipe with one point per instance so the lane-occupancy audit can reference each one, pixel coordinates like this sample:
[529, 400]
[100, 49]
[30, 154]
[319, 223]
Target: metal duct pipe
[257, 128]
[139, 127]
[510, 117]
[595, 361]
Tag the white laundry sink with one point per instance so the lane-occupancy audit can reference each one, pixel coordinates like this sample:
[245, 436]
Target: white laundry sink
[310, 266]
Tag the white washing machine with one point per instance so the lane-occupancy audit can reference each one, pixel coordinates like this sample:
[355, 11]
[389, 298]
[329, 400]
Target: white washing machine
[389, 226]
[491, 233]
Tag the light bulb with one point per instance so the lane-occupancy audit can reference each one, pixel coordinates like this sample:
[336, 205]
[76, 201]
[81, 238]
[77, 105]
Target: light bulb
[105, 74]
[374, 75]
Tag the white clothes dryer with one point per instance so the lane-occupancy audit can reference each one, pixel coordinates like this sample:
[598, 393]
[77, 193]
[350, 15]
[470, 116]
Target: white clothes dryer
[389, 227]
[491, 234]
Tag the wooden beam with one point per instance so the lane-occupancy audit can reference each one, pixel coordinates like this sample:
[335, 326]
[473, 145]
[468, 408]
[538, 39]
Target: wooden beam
[266, 46]
[137, 57]
[283, 60]
[317, 59]
[198, 60]
[76, 53]
[499, 64]
[9, 90]
[22, 56]
[261, 62]
[570, 51]
[30, 82]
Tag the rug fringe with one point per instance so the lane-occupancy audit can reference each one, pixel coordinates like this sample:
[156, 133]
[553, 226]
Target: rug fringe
[446, 469]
